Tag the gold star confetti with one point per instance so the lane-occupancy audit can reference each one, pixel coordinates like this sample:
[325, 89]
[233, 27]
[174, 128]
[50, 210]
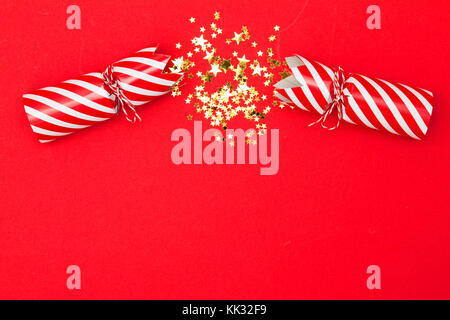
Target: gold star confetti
[238, 37]
[209, 56]
[243, 60]
[284, 74]
[207, 77]
[226, 64]
[215, 69]
[219, 95]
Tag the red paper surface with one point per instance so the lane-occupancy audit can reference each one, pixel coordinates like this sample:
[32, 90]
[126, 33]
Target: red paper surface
[110, 200]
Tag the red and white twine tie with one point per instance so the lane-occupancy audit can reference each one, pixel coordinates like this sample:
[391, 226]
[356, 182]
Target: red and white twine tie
[336, 103]
[121, 101]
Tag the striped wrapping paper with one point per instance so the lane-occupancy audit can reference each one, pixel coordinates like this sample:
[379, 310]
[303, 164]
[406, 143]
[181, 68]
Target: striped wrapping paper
[75, 104]
[374, 103]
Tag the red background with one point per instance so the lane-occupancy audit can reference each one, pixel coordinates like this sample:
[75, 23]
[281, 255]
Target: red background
[110, 200]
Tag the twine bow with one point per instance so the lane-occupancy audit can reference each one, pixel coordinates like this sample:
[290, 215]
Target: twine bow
[121, 101]
[337, 101]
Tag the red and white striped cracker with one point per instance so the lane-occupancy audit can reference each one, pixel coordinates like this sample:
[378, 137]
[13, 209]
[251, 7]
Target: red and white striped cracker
[75, 104]
[370, 102]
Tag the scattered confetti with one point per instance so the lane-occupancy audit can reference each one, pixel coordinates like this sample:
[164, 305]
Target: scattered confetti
[228, 86]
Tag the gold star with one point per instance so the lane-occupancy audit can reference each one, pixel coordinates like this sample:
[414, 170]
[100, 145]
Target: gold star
[243, 87]
[237, 37]
[200, 41]
[272, 38]
[217, 15]
[178, 45]
[226, 64]
[276, 28]
[284, 74]
[178, 62]
[189, 117]
[189, 54]
[207, 77]
[215, 68]
[260, 53]
[254, 44]
[214, 35]
[243, 59]
[256, 69]
[209, 55]
[226, 95]
[192, 20]
[235, 54]
[202, 29]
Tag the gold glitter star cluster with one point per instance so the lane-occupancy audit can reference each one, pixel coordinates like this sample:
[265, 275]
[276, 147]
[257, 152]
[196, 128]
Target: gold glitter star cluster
[235, 83]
